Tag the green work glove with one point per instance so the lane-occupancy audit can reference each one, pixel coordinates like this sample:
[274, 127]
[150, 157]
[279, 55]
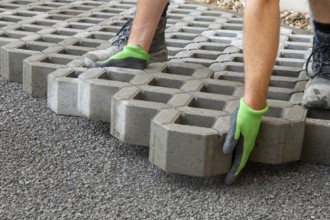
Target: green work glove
[133, 57]
[241, 137]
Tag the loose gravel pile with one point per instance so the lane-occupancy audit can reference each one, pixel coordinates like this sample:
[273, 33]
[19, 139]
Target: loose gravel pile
[291, 18]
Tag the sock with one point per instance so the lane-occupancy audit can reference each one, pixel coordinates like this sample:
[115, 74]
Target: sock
[325, 28]
[165, 10]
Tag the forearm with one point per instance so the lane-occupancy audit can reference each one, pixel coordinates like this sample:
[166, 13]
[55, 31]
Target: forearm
[261, 39]
[145, 22]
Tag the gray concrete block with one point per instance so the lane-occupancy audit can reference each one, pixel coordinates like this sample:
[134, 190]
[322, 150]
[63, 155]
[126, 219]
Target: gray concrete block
[316, 141]
[13, 54]
[187, 141]
[37, 67]
[281, 133]
[133, 108]
[97, 86]
[62, 92]
[221, 87]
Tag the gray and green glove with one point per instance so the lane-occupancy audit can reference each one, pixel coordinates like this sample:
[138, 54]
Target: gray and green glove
[241, 137]
[133, 57]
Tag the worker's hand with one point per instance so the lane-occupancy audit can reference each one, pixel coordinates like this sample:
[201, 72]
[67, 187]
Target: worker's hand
[244, 127]
[133, 57]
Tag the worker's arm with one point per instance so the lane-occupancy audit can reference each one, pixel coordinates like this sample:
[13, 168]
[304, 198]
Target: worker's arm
[260, 42]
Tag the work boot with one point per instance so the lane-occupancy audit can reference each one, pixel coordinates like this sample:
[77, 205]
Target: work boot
[157, 52]
[317, 91]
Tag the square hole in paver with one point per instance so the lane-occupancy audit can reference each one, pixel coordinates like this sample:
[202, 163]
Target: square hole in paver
[195, 120]
[64, 33]
[99, 36]
[219, 40]
[32, 47]
[218, 89]
[49, 39]
[9, 6]
[318, 114]
[90, 21]
[208, 19]
[72, 51]
[297, 46]
[291, 55]
[191, 30]
[234, 68]
[12, 35]
[58, 18]
[300, 39]
[287, 62]
[110, 29]
[56, 60]
[29, 29]
[279, 96]
[166, 83]
[286, 73]
[282, 84]
[274, 112]
[199, 25]
[153, 97]
[178, 70]
[74, 75]
[10, 19]
[176, 44]
[213, 47]
[204, 56]
[212, 104]
[87, 44]
[232, 27]
[102, 15]
[116, 76]
[69, 12]
[78, 26]
[44, 23]
[182, 37]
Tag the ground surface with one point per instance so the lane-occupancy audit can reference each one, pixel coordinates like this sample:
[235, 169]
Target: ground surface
[56, 167]
[291, 18]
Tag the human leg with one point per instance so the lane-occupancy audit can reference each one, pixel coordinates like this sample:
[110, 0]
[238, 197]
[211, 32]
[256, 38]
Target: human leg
[317, 92]
[149, 11]
[260, 41]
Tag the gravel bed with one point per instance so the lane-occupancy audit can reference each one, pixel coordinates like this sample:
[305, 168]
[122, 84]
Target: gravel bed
[291, 18]
[59, 167]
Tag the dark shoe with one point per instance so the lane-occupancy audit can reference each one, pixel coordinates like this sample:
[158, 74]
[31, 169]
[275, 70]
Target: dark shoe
[317, 91]
[158, 51]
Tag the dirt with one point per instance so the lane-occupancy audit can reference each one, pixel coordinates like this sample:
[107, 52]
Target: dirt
[291, 18]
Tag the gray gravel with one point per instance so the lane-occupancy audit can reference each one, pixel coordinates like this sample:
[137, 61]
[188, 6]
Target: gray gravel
[58, 167]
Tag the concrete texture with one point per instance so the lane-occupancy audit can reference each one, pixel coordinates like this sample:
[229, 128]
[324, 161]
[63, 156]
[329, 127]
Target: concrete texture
[316, 147]
[186, 141]
[37, 67]
[133, 108]
[62, 92]
[97, 87]
[13, 54]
